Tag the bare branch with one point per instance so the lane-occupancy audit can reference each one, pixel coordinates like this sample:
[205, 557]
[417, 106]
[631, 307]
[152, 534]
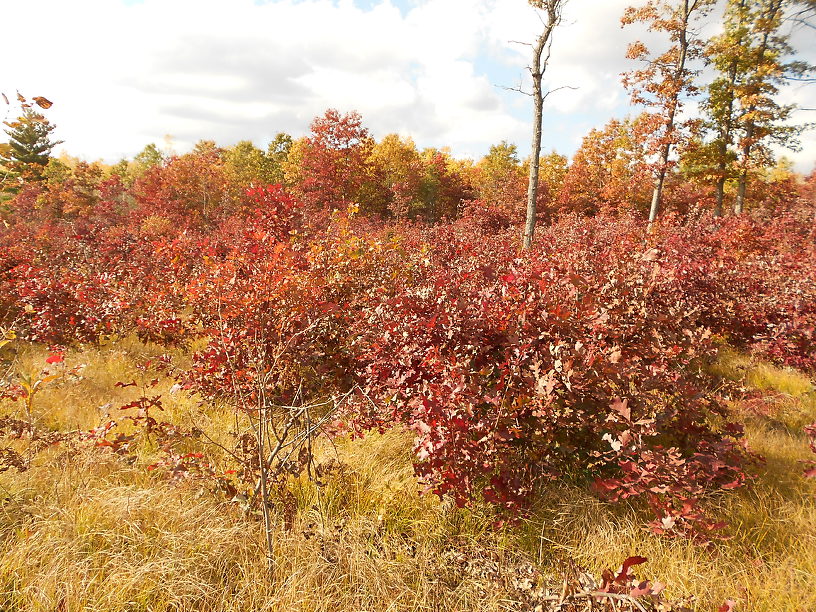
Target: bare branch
[516, 89]
[552, 91]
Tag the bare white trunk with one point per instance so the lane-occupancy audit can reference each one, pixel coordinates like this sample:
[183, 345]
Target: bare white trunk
[552, 9]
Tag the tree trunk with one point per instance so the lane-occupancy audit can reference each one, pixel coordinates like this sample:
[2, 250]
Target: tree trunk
[720, 194]
[657, 194]
[742, 188]
[553, 12]
[532, 187]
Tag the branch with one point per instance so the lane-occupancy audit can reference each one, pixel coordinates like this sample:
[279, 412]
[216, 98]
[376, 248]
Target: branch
[547, 95]
[516, 89]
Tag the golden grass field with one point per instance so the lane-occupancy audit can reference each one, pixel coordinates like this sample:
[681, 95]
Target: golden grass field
[90, 531]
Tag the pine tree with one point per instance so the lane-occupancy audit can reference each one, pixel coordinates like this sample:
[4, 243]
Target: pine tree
[26, 155]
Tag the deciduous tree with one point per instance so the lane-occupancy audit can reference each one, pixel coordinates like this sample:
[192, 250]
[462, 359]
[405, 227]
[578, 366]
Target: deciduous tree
[727, 53]
[400, 164]
[500, 180]
[444, 187]
[276, 154]
[333, 160]
[762, 119]
[666, 79]
[609, 171]
[246, 164]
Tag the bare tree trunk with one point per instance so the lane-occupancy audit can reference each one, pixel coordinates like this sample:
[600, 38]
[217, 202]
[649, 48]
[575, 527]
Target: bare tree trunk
[532, 187]
[552, 9]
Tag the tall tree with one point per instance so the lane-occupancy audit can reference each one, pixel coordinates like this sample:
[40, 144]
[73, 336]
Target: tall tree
[551, 11]
[246, 165]
[762, 120]
[552, 172]
[444, 186]
[727, 53]
[144, 160]
[666, 80]
[499, 179]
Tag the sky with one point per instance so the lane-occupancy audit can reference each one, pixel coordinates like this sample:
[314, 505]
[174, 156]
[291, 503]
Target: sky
[125, 73]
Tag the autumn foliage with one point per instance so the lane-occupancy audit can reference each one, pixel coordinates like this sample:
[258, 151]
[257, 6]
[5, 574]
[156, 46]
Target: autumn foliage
[582, 359]
[382, 287]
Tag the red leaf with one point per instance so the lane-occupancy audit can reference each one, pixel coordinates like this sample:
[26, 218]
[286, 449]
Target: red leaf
[635, 560]
[728, 606]
[642, 589]
[624, 572]
[55, 358]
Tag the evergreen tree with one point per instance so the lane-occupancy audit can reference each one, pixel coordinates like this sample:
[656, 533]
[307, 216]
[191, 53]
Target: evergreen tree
[26, 155]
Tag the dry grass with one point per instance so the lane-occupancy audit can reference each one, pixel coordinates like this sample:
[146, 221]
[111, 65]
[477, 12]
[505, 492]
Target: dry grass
[89, 531]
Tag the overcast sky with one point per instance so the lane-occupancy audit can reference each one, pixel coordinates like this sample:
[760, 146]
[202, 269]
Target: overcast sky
[124, 73]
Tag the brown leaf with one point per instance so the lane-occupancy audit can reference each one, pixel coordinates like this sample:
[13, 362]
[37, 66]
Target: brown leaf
[43, 102]
[651, 255]
[5, 99]
[622, 408]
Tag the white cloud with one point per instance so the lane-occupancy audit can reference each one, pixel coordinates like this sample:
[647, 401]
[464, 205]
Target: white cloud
[123, 76]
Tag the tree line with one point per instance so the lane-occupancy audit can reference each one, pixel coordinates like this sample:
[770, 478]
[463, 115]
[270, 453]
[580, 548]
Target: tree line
[662, 159]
